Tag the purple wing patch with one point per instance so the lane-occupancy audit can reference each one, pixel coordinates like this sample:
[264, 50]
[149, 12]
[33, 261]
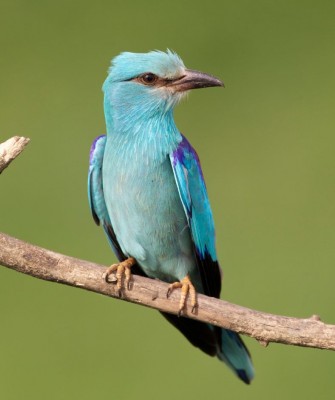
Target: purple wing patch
[93, 148]
[193, 194]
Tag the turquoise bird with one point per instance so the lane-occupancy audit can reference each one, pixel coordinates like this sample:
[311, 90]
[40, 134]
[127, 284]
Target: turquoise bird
[147, 190]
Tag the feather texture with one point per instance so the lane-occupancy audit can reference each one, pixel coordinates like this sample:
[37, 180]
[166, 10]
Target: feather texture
[147, 190]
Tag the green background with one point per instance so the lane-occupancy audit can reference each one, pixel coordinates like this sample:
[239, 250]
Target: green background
[267, 147]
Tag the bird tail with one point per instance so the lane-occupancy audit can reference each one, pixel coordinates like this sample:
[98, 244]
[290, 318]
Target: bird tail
[214, 341]
[233, 352]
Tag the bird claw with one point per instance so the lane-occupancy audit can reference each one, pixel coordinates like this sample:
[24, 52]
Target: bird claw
[116, 273]
[187, 288]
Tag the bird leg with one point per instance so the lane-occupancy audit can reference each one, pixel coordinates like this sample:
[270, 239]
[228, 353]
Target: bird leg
[186, 288]
[122, 269]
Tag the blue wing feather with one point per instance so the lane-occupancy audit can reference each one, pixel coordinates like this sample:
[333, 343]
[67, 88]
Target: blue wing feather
[227, 345]
[95, 190]
[193, 194]
[96, 195]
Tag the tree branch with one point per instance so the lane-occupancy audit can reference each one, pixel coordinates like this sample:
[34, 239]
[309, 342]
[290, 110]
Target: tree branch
[11, 149]
[48, 265]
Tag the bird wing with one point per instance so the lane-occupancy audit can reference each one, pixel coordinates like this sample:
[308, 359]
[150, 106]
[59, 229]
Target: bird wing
[193, 194]
[96, 194]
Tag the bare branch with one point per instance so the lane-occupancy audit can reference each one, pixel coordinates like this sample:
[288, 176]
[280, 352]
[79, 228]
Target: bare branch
[266, 328]
[10, 149]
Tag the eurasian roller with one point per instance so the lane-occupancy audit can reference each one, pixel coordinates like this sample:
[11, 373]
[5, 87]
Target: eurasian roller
[147, 190]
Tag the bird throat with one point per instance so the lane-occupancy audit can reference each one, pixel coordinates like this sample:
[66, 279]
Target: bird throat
[141, 138]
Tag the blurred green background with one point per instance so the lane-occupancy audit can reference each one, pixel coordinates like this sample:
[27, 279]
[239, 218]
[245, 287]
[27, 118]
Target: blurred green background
[267, 147]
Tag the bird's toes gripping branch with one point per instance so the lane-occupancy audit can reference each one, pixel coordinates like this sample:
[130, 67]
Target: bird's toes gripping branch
[123, 270]
[187, 288]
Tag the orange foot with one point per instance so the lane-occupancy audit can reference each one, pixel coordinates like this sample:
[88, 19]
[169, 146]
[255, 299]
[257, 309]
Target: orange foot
[186, 288]
[122, 269]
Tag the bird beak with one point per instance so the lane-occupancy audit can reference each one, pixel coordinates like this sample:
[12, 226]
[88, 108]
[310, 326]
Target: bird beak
[194, 80]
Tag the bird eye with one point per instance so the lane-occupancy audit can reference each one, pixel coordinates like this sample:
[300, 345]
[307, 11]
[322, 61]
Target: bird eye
[148, 78]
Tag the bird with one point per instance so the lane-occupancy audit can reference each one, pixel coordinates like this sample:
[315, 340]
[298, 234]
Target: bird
[147, 190]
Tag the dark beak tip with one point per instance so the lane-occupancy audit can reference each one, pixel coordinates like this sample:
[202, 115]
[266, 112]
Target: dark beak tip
[220, 83]
[196, 80]
[202, 79]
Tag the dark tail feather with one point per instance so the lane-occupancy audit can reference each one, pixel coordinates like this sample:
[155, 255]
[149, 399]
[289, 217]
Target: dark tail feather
[234, 353]
[198, 333]
[214, 341]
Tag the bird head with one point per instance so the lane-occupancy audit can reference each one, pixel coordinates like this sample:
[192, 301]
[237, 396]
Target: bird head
[149, 84]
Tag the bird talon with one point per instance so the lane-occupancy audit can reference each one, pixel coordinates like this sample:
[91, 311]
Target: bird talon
[127, 278]
[109, 277]
[116, 272]
[187, 288]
